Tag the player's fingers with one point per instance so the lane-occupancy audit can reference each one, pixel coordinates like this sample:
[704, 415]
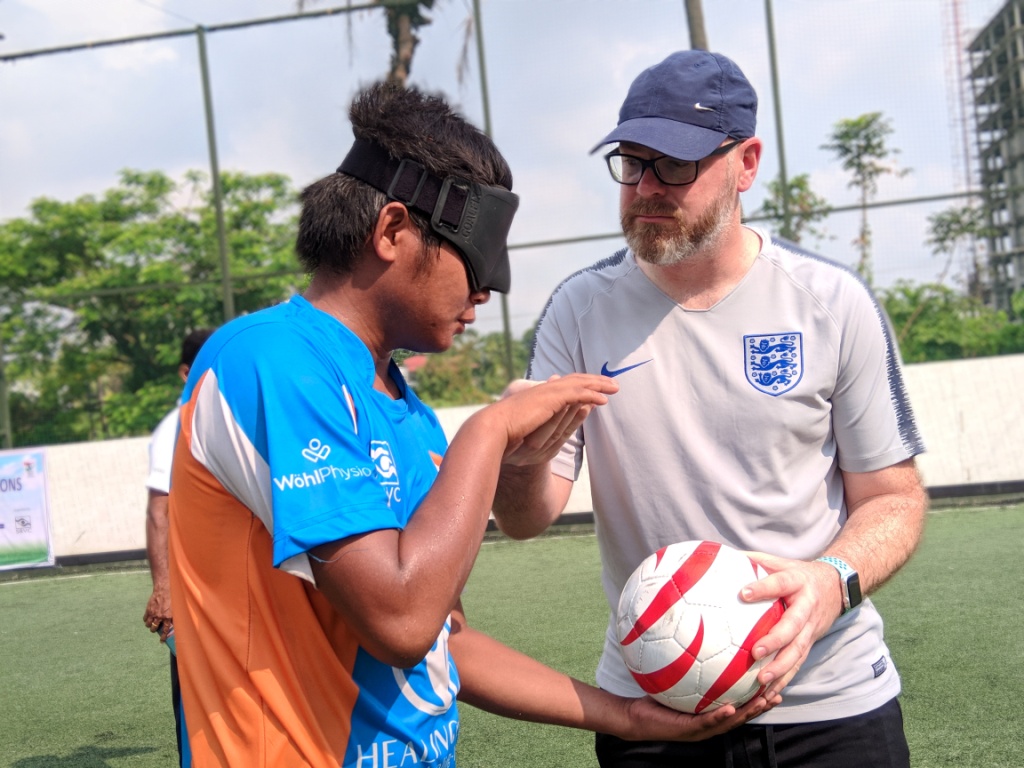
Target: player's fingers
[720, 725]
[569, 422]
[772, 586]
[553, 397]
[756, 707]
[590, 381]
[544, 450]
[773, 693]
[578, 417]
[787, 661]
[711, 724]
[785, 632]
[565, 399]
[540, 437]
[518, 385]
[794, 623]
[728, 717]
[770, 563]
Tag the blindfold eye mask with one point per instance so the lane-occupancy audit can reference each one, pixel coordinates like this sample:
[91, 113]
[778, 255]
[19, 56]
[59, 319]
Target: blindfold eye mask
[473, 217]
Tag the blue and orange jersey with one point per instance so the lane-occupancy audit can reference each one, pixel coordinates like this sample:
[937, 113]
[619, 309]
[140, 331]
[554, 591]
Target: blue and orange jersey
[285, 445]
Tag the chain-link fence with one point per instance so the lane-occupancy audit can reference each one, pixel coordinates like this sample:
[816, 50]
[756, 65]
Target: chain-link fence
[155, 87]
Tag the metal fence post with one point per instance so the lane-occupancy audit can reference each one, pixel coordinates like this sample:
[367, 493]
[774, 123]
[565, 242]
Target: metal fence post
[505, 323]
[218, 196]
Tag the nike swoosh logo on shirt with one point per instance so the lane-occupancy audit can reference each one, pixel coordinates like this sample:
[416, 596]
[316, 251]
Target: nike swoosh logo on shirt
[606, 371]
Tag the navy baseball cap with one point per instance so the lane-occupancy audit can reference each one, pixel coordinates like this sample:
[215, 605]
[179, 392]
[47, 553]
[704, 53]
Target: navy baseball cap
[686, 106]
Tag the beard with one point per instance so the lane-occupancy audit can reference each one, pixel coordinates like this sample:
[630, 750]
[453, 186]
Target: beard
[662, 245]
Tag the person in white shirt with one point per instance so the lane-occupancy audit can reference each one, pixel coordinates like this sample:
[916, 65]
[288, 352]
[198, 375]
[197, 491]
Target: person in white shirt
[760, 405]
[158, 616]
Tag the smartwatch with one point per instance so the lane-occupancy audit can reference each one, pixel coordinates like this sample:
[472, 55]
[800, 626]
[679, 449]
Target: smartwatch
[849, 580]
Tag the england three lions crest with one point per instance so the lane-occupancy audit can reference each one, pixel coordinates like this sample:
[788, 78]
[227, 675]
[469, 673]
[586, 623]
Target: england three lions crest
[775, 361]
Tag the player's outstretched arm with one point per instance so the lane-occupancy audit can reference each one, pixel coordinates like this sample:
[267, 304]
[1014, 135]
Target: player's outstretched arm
[503, 681]
[886, 511]
[396, 587]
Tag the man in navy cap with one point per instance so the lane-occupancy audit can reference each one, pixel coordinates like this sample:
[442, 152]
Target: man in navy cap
[760, 405]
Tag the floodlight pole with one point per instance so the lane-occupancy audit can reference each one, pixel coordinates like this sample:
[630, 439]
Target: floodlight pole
[505, 324]
[695, 22]
[783, 180]
[218, 195]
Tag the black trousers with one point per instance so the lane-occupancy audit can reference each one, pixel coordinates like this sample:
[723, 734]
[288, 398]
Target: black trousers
[176, 702]
[872, 740]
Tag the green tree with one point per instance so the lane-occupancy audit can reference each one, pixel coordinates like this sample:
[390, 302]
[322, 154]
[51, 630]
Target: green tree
[861, 144]
[806, 209]
[404, 20]
[1013, 336]
[934, 322]
[947, 232]
[100, 291]
[472, 371]
[451, 377]
[957, 229]
[491, 372]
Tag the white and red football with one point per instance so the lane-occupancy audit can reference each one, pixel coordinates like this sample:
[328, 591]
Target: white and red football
[684, 633]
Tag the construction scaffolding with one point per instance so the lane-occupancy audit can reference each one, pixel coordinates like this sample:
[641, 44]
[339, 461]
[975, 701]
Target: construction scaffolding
[997, 82]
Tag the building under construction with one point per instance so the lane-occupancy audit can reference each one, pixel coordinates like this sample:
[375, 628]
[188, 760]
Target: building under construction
[997, 83]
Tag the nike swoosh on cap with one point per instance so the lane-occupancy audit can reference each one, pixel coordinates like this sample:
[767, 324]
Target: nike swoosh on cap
[701, 108]
[606, 371]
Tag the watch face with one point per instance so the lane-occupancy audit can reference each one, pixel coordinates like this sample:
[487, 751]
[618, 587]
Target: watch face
[853, 589]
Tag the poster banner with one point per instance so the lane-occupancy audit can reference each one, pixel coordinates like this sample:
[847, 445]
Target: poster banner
[24, 511]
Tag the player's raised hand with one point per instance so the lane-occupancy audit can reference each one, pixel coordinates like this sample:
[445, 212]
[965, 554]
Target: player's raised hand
[541, 416]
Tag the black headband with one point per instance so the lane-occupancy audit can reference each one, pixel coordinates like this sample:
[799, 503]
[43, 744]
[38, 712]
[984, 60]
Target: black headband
[403, 180]
[473, 217]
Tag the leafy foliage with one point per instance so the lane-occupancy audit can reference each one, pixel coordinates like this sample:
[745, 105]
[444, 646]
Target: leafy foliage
[99, 293]
[96, 295]
[472, 371]
[404, 20]
[934, 322]
[958, 229]
[861, 145]
[798, 212]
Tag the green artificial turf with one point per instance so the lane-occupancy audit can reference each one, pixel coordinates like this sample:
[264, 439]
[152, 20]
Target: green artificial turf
[543, 598]
[955, 625]
[84, 685]
[954, 620]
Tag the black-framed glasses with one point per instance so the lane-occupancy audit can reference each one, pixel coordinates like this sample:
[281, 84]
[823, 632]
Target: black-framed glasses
[629, 169]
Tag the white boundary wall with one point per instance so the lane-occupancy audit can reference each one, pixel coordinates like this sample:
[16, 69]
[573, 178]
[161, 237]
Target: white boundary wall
[969, 412]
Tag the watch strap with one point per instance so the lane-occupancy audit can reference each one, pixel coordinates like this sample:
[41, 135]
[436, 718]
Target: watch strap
[848, 579]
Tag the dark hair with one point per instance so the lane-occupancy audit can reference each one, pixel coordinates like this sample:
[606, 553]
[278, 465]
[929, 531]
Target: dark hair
[191, 345]
[339, 211]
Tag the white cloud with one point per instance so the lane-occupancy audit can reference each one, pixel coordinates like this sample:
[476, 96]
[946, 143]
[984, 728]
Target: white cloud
[557, 73]
[139, 56]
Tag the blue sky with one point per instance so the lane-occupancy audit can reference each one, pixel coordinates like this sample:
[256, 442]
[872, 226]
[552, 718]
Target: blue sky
[557, 71]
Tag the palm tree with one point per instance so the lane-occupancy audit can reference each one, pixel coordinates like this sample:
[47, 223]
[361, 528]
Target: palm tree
[404, 19]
